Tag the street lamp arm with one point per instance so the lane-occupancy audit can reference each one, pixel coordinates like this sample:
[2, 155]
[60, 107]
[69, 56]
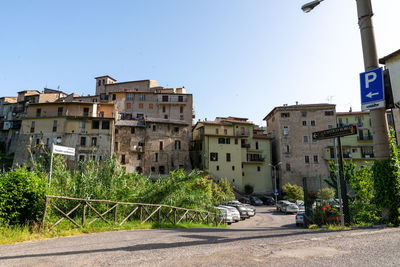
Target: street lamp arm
[310, 6]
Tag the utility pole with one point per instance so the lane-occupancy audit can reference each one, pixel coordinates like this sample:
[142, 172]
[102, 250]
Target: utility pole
[380, 129]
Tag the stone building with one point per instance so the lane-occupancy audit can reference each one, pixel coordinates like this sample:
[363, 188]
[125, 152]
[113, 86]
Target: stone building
[86, 126]
[294, 153]
[235, 149]
[153, 128]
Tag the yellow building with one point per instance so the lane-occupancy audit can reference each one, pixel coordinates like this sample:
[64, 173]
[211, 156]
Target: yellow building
[233, 148]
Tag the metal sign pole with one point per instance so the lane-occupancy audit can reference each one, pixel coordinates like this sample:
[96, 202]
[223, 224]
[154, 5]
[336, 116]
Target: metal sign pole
[338, 183]
[51, 164]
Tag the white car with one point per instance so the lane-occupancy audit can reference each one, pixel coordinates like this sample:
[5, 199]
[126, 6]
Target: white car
[291, 208]
[225, 215]
[234, 211]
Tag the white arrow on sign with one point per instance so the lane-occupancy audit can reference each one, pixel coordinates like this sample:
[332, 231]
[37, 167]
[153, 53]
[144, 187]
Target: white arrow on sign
[370, 94]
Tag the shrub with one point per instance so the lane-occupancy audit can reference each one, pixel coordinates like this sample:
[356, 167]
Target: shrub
[293, 192]
[248, 189]
[326, 193]
[21, 196]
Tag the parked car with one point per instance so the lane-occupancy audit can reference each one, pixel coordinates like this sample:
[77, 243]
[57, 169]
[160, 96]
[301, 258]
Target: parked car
[244, 212]
[299, 219]
[234, 211]
[255, 201]
[225, 215]
[267, 200]
[300, 204]
[244, 200]
[291, 208]
[251, 208]
[281, 204]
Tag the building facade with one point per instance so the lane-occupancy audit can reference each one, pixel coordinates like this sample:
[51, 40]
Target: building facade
[234, 149]
[295, 154]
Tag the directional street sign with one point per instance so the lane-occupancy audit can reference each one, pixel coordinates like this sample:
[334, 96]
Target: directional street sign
[70, 151]
[335, 132]
[372, 89]
[276, 192]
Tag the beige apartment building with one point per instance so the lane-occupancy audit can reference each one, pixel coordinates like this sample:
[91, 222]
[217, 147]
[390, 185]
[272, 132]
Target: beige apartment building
[86, 126]
[235, 149]
[294, 153]
[153, 127]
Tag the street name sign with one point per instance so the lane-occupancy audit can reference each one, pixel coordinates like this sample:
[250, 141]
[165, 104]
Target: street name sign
[64, 150]
[335, 132]
[372, 89]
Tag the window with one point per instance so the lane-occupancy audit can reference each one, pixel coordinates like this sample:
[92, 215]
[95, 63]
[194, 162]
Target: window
[128, 105]
[221, 140]
[154, 128]
[140, 105]
[306, 159]
[304, 113]
[285, 115]
[161, 145]
[315, 159]
[115, 146]
[161, 169]
[139, 156]
[105, 125]
[60, 111]
[256, 145]
[101, 114]
[287, 149]
[153, 169]
[329, 113]
[164, 98]
[305, 139]
[233, 168]
[54, 126]
[83, 141]
[132, 130]
[165, 116]
[99, 82]
[330, 126]
[181, 109]
[156, 157]
[176, 129]
[285, 130]
[116, 131]
[228, 141]
[213, 156]
[258, 168]
[312, 123]
[180, 98]
[225, 131]
[217, 167]
[81, 157]
[114, 96]
[38, 112]
[94, 141]
[123, 159]
[150, 106]
[304, 123]
[95, 124]
[129, 96]
[177, 145]
[163, 109]
[85, 112]
[288, 167]
[32, 127]
[37, 141]
[228, 157]
[236, 141]
[216, 131]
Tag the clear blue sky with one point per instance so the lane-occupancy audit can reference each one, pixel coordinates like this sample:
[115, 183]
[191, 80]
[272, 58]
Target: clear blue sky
[237, 57]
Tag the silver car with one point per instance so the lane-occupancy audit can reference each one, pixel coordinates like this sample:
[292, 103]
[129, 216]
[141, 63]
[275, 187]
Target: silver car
[291, 208]
[234, 211]
[224, 215]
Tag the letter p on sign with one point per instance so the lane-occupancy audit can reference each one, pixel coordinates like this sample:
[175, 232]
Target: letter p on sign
[370, 78]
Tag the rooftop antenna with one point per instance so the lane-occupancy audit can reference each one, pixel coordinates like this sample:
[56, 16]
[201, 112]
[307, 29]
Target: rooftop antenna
[329, 98]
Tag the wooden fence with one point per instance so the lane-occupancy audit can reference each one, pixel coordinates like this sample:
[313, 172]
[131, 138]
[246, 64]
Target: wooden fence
[140, 211]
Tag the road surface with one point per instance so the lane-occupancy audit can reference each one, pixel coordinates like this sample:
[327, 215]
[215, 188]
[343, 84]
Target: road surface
[268, 239]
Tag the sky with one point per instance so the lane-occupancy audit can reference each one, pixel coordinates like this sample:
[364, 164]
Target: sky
[238, 58]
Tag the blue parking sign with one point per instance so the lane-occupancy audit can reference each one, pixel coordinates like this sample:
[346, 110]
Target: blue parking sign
[372, 89]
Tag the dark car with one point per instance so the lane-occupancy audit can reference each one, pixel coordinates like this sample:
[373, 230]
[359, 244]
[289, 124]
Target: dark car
[267, 200]
[255, 201]
[244, 200]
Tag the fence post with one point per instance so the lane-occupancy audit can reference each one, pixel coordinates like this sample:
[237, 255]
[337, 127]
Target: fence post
[159, 215]
[115, 213]
[84, 213]
[45, 211]
[174, 215]
[141, 213]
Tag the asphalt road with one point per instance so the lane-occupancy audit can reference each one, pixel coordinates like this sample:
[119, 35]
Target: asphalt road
[268, 239]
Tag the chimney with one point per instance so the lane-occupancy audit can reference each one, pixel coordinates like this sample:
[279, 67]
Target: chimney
[350, 110]
[297, 102]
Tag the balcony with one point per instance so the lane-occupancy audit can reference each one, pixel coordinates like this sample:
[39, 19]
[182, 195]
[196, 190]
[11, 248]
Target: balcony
[246, 146]
[368, 155]
[364, 138]
[136, 148]
[172, 99]
[242, 133]
[254, 158]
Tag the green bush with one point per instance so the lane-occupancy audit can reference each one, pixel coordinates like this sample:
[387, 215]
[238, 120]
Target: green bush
[21, 196]
[248, 189]
[293, 192]
[326, 193]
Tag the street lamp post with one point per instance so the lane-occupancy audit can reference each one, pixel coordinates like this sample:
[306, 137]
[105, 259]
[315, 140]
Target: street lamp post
[380, 129]
[274, 174]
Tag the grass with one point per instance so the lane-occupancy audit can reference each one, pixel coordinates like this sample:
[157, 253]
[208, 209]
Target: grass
[13, 234]
[335, 227]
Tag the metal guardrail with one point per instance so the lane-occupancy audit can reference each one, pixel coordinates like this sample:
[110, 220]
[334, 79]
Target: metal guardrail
[142, 211]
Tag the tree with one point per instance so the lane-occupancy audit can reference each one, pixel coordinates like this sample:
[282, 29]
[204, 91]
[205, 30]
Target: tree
[293, 192]
[326, 193]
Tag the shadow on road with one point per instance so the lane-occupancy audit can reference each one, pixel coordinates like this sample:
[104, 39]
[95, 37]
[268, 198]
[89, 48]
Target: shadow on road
[199, 240]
